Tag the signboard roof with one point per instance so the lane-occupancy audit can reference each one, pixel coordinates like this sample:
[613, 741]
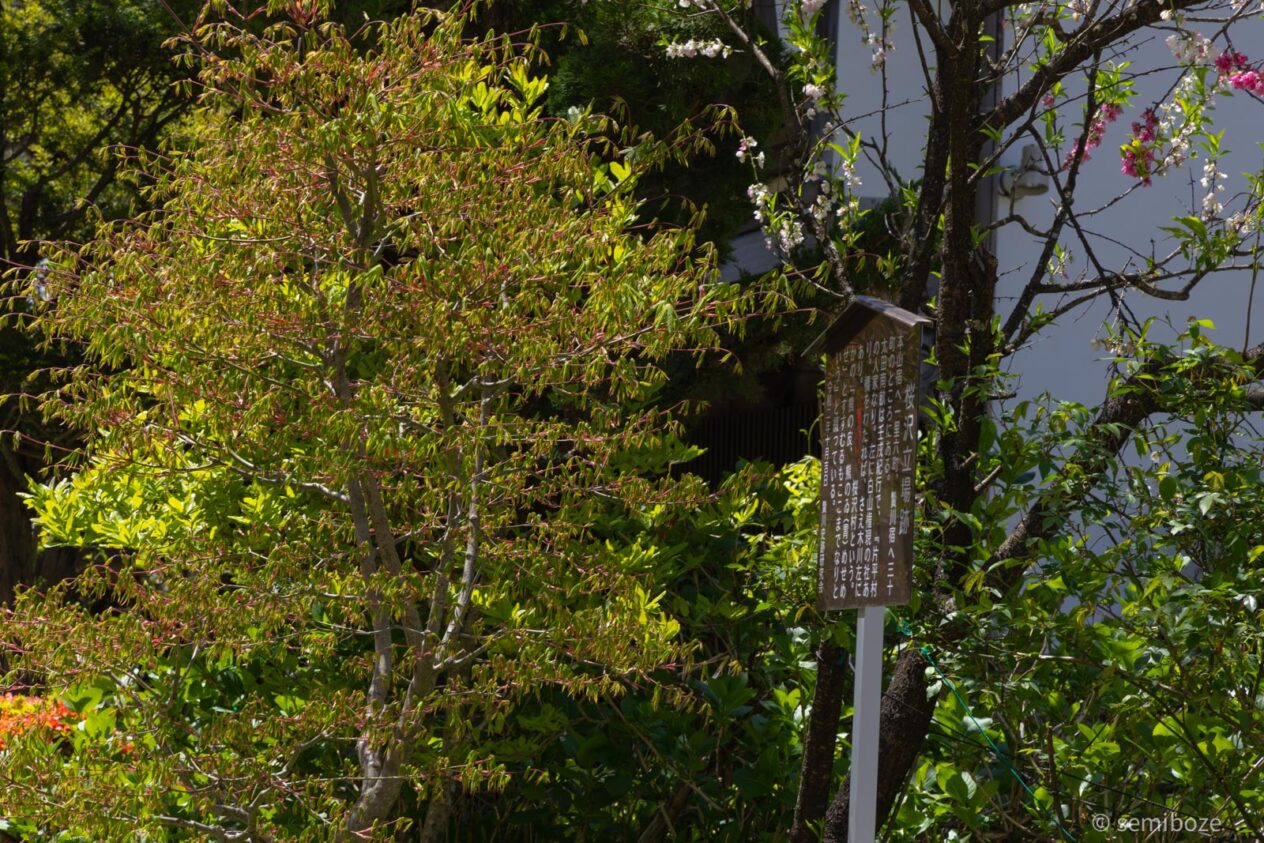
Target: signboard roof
[853, 320]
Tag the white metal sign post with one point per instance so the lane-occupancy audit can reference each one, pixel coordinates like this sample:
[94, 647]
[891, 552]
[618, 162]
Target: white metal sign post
[868, 466]
[862, 818]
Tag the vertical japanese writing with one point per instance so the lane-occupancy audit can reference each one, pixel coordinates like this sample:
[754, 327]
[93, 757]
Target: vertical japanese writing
[869, 452]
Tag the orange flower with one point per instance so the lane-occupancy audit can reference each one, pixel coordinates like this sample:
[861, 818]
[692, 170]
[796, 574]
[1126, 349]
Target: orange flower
[20, 714]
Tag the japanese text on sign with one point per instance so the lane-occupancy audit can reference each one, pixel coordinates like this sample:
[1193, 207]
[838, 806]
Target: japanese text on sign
[869, 453]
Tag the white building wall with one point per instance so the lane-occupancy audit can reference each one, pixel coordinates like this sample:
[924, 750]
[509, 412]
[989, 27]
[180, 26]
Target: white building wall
[1066, 360]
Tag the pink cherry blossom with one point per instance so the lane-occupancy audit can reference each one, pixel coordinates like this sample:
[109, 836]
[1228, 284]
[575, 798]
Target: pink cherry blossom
[1092, 139]
[1229, 61]
[1251, 81]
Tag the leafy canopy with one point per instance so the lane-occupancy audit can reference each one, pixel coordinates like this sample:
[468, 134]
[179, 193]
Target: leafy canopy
[353, 392]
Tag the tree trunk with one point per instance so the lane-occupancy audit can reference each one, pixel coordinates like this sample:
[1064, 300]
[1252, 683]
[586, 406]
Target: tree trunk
[438, 814]
[17, 539]
[906, 716]
[664, 824]
[21, 564]
[963, 341]
[817, 771]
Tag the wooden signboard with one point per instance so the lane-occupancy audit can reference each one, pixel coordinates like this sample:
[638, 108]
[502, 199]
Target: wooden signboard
[868, 455]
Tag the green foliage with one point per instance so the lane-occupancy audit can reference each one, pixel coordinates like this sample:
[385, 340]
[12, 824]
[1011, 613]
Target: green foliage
[613, 57]
[375, 478]
[82, 83]
[354, 392]
[705, 748]
[1123, 678]
[78, 78]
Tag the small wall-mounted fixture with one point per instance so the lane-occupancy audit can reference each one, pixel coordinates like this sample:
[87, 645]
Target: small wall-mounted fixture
[1029, 178]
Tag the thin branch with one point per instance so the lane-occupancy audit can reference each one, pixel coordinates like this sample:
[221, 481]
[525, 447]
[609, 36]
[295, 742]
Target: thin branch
[1084, 43]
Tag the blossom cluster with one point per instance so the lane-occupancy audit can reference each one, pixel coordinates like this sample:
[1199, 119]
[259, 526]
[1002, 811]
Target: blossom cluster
[1077, 9]
[844, 175]
[878, 40]
[1211, 183]
[832, 178]
[1236, 72]
[744, 151]
[880, 45]
[1230, 61]
[20, 714]
[1092, 138]
[1026, 14]
[1190, 48]
[1177, 120]
[1241, 224]
[1139, 154]
[692, 49]
[761, 196]
[845, 172]
[1251, 81]
[813, 91]
[789, 235]
[1173, 124]
[784, 232]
